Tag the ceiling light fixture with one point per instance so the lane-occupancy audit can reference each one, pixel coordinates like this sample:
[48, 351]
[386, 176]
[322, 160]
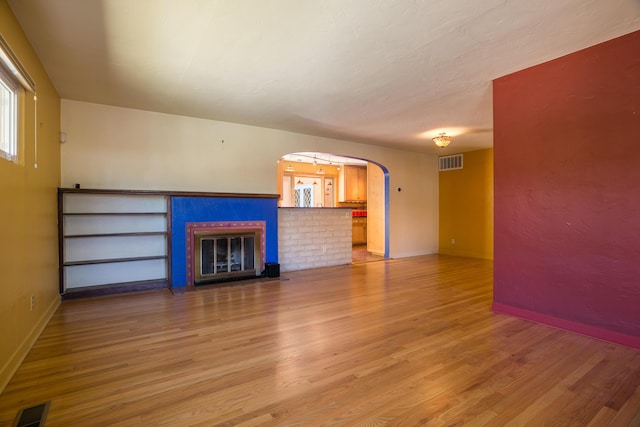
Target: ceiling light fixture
[320, 171]
[442, 140]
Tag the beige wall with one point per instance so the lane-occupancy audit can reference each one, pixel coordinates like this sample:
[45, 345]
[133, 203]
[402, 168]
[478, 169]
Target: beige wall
[28, 214]
[120, 148]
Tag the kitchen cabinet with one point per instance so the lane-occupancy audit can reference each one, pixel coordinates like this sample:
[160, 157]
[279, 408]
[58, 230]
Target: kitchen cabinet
[353, 184]
[359, 230]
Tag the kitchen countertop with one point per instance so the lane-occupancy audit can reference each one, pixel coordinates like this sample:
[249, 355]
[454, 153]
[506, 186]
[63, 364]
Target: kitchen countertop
[354, 212]
[293, 207]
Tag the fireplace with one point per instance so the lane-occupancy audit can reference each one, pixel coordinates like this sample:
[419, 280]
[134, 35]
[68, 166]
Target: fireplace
[216, 212]
[224, 251]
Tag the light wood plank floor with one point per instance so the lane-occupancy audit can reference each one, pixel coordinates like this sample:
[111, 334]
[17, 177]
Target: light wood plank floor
[396, 342]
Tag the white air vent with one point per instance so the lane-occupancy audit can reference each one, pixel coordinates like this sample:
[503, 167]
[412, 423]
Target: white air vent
[448, 163]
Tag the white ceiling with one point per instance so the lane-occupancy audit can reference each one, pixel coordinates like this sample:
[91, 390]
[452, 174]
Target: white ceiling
[321, 159]
[387, 72]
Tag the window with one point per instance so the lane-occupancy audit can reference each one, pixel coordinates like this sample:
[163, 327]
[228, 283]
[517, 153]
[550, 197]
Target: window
[14, 79]
[8, 116]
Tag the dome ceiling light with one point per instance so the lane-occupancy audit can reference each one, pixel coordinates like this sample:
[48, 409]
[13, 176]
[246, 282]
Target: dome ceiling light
[442, 140]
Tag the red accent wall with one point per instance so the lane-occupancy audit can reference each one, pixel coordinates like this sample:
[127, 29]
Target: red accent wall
[567, 191]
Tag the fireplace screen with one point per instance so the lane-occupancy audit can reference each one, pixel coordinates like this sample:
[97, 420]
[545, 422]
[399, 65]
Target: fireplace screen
[227, 254]
[224, 257]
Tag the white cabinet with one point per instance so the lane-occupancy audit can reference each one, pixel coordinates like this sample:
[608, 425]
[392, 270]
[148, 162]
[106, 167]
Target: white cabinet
[110, 238]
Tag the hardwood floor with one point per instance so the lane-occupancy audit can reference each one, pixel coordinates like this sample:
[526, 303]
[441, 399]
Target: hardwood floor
[395, 342]
[360, 254]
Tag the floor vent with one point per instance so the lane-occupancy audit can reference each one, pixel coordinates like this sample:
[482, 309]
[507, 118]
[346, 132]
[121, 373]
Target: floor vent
[33, 416]
[448, 163]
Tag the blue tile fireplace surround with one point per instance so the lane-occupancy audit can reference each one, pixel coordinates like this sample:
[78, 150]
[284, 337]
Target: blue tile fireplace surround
[233, 211]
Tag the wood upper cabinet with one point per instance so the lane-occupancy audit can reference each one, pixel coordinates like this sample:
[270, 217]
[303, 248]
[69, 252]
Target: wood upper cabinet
[353, 184]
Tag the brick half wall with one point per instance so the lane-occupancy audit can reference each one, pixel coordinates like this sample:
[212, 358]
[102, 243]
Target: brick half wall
[311, 238]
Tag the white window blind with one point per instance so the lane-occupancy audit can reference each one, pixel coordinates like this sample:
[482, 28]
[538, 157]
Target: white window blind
[13, 76]
[11, 63]
[8, 116]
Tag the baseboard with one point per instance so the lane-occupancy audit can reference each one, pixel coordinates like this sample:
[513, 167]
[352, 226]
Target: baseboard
[413, 254]
[466, 254]
[570, 326]
[10, 368]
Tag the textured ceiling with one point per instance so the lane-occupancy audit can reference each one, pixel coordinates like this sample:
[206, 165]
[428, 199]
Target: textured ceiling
[381, 72]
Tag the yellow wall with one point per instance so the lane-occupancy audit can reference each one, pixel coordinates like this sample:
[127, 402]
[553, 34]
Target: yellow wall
[466, 207]
[28, 214]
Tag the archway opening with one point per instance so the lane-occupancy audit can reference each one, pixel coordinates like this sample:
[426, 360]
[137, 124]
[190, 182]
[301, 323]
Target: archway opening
[324, 180]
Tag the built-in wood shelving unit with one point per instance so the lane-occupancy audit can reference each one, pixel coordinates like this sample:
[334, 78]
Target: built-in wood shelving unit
[113, 240]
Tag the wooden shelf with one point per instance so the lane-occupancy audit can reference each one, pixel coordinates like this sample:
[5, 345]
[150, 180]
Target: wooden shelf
[130, 234]
[114, 288]
[113, 260]
[113, 213]
[165, 193]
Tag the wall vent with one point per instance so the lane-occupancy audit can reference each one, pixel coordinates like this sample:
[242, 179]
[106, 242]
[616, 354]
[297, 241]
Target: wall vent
[448, 163]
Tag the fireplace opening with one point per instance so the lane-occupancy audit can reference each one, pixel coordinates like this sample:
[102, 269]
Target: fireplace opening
[225, 255]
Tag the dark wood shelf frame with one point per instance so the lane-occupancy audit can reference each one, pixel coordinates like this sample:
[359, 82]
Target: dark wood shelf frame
[168, 193]
[112, 287]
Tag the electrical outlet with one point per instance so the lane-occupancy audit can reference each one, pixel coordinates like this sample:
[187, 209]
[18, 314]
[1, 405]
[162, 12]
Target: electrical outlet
[33, 302]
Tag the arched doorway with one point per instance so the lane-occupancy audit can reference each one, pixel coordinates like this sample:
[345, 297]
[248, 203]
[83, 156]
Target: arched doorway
[332, 181]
